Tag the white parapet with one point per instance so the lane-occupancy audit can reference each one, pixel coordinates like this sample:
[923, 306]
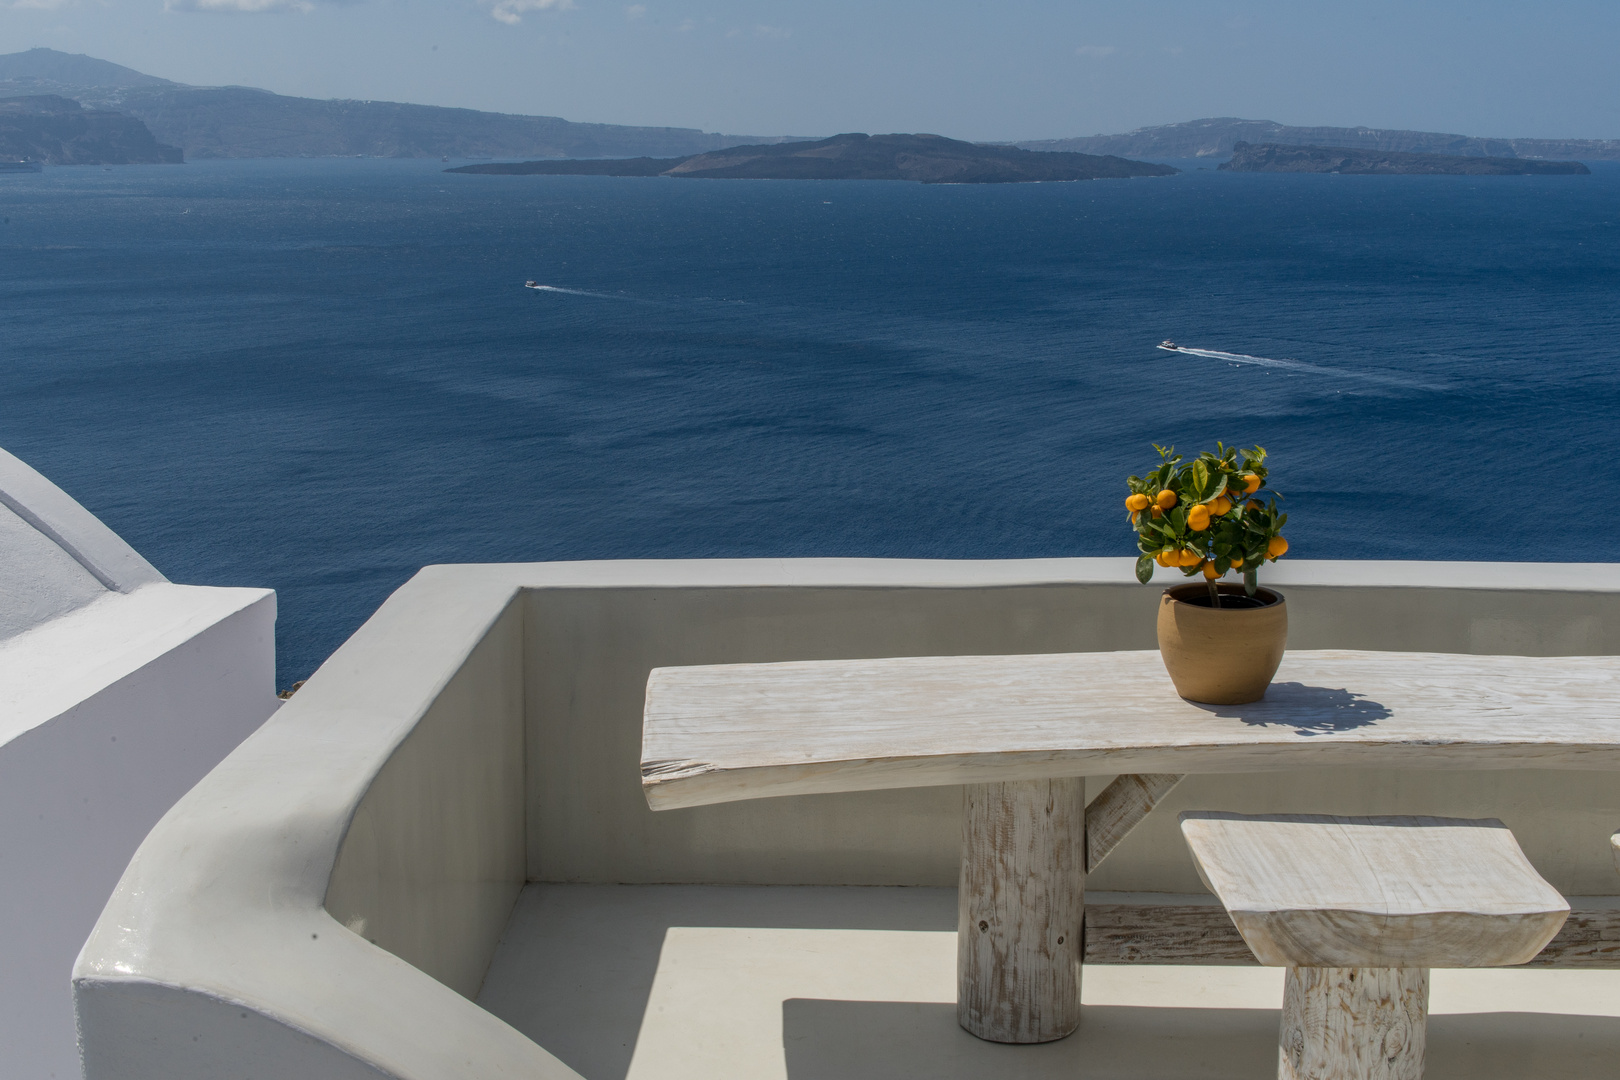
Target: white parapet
[118, 690]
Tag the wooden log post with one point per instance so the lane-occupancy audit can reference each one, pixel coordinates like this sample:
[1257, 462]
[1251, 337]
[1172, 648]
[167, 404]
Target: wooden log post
[1020, 909]
[1353, 1024]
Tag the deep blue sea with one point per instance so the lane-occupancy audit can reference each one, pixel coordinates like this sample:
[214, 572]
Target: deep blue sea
[319, 375]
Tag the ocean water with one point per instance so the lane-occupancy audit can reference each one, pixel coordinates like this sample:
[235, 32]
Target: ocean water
[318, 376]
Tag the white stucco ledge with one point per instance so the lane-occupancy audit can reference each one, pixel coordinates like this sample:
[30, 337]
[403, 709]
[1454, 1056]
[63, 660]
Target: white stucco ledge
[327, 901]
[57, 666]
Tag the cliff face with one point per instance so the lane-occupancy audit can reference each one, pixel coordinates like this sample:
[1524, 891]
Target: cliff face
[1269, 157]
[240, 122]
[237, 122]
[59, 131]
[929, 159]
[1218, 136]
[48, 68]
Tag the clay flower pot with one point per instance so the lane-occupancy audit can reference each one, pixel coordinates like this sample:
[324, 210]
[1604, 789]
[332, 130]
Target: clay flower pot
[1226, 655]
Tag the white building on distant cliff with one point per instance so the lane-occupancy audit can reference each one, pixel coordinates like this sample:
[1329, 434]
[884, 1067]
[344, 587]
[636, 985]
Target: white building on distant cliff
[118, 690]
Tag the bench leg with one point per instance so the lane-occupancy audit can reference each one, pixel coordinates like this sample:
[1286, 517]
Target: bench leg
[1353, 1024]
[1020, 907]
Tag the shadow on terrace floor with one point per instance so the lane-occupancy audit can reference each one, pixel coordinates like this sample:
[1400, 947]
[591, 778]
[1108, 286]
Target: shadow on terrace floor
[716, 983]
[576, 966]
[882, 1040]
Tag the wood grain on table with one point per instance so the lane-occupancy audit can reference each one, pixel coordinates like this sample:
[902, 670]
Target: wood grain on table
[722, 733]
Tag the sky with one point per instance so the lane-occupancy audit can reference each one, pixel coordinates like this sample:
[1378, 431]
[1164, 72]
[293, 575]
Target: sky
[1012, 69]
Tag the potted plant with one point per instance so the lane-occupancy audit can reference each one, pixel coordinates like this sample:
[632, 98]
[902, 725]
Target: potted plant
[1221, 642]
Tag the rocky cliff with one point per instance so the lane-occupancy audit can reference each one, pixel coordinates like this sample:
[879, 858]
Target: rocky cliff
[1270, 157]
[1217, 136]
[241, 122]
[59, 131]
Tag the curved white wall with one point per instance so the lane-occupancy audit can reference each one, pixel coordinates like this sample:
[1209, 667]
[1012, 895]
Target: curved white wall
[218, 934]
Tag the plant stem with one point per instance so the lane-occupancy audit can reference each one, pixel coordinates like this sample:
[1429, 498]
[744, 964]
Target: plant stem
[1214, 595]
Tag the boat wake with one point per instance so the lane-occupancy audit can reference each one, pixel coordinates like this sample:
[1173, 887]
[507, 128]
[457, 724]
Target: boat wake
[572, 292]
[1302, 366]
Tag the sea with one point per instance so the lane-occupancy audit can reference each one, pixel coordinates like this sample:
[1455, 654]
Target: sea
[319, 375]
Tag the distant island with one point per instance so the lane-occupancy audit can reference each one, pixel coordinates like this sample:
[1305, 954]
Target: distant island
[928, 159]
[1271, 157]
[243, 122]
[54, 130]
[1218, 136]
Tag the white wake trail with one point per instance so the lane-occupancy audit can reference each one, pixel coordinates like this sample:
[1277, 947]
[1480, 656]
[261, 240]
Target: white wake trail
[575, 292]
[1245, 358]
[1300, 365]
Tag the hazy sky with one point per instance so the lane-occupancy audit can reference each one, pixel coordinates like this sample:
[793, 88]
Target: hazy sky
[977, 70]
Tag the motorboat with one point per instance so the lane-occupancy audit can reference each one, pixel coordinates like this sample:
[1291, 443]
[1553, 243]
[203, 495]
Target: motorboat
[533, 285]
[1169, 346]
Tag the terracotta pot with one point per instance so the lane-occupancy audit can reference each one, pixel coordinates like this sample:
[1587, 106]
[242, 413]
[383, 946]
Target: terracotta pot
[1221, 656]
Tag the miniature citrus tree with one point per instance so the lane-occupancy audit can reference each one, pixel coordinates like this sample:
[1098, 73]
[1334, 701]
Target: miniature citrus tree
[1206, 516]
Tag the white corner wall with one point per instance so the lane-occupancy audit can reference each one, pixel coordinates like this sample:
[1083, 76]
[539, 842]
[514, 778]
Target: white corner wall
[107, 716]
[118, 691]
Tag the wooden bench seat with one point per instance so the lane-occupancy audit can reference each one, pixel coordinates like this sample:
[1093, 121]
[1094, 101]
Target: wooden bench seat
[1358, 910]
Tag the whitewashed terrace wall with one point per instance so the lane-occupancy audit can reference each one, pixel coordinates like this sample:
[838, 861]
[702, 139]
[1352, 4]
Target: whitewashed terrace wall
[590, 649]
[377, 819]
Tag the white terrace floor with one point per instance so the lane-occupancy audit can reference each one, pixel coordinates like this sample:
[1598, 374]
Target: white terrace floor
[763, 983]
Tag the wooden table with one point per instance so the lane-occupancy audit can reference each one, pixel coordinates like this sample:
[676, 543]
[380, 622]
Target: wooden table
[1021, 733]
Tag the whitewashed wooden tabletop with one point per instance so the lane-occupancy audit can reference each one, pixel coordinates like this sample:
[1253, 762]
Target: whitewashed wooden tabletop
[728, 732]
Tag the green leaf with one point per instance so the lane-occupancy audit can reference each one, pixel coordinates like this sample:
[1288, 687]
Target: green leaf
[1144, 569]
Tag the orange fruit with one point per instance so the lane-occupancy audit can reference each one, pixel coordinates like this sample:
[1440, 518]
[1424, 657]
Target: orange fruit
[1237, 562]
[1160, 557]
[1189, 557]
[1255, 504]
[1209, 572]
[1276, 547]
[1198, 518]
[1157, 513]
[1251, 483]
[1137, 502]
[1166, 499]
[1220, 506]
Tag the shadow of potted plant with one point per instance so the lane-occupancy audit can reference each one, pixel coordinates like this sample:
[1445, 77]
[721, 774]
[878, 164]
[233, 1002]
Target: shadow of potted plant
[1221, 642]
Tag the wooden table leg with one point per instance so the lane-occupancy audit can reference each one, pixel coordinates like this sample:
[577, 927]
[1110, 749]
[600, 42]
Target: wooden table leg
[1020, 908]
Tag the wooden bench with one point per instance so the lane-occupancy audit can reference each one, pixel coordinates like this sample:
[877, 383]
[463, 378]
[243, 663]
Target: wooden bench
[1358, 910]
[1019, 731]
